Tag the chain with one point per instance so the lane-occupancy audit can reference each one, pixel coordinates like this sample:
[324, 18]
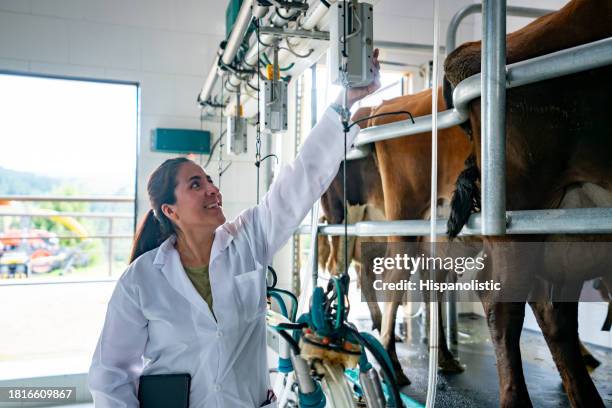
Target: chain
[258, 134]
[221, 144]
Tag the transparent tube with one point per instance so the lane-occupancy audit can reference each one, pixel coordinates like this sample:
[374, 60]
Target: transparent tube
[432, 380]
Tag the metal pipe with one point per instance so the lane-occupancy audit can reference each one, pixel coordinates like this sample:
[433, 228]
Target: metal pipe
[314, 245]
[493, 105]
[410, 47]
[210, 82]
[553, 221]
[569, 61]
[302, 374]
[453, 26]
[360, 152]
[238, 30]
[310, 22]
[434, 323]
[372, 389]
[233, 43]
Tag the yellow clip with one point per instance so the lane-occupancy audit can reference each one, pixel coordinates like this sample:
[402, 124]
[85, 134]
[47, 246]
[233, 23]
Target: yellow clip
[270, 72]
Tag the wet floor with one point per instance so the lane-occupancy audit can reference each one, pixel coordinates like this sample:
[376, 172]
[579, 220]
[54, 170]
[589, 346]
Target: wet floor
[477, 386]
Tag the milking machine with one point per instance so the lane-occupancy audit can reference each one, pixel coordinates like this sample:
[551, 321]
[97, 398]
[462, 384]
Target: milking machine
[323, 359]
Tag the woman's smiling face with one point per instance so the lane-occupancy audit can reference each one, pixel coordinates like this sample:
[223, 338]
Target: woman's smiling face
[198, 200]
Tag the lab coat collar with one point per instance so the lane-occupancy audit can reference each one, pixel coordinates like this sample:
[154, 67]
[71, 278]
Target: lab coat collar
[168, 259]
[224, 234]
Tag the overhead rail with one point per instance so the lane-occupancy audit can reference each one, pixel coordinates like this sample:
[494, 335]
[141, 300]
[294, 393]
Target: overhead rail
[306, 34]
[458, 17]
[565, 62]
[559, 221]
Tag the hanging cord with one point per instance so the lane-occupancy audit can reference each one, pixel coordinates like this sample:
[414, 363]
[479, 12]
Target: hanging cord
[220, 142]
[345, 125]
[258, 129]
[258, 158]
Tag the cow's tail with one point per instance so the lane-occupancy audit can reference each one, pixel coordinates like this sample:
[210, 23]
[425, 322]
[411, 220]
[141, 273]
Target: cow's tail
[466, 198]
[447, 93]
[607, 325]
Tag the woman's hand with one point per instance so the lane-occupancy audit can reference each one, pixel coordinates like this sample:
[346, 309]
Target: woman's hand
[355, 94]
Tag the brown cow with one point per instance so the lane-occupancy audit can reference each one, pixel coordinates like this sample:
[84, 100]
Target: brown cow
[365, 188]
[405, 171]
[558, 139]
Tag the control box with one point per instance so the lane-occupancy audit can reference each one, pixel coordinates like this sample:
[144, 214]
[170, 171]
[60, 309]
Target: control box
[274, 106]
[236, 134]
[359, 43]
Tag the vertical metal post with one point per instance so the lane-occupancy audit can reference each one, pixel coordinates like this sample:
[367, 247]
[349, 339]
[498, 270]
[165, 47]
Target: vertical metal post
[313, 95]
[493, 106]
[110, 247]
[296, 247]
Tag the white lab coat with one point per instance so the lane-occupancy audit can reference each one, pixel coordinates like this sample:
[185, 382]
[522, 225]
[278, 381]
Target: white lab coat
[156, 321]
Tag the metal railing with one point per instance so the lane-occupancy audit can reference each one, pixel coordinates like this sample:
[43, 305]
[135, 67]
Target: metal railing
[45, 213]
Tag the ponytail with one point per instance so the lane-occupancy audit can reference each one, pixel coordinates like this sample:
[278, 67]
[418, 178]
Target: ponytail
[148, 236]
[155, 228]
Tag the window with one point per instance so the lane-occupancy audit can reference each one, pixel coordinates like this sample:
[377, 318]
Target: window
[75, 141]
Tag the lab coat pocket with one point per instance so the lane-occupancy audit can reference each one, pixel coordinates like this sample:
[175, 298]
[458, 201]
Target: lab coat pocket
[251, 294]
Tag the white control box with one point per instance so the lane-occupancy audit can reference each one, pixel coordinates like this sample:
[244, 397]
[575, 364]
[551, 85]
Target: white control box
[236, 135]
[274, 106]
[359, 43]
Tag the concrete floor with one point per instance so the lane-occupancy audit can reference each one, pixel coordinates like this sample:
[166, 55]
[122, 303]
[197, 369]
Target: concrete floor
[477, 386]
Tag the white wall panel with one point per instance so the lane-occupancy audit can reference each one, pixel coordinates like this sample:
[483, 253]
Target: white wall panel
[70, 70]
[158, 14]
[34, 38]
[158, 93]
[199, 16]
[105, 45]
[19, 6]
[182, 53]
[187, 89]
[10, 64]
[58, 8]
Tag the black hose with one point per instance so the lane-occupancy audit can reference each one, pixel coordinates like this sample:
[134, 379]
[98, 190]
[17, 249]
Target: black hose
[291, 326]
[382, 114]
[294, 345]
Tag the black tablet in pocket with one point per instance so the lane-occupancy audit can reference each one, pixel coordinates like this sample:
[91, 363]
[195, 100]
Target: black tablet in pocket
[164, 391]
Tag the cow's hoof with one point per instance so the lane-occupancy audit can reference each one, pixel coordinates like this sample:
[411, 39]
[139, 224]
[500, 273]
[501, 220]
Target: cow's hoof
[402, 379]
[450, 365]
[591, 362]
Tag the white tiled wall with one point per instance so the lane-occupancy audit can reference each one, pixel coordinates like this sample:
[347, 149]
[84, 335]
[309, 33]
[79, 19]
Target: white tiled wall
[163, 45]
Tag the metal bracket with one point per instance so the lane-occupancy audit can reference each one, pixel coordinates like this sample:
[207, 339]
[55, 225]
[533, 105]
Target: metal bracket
[284, 33]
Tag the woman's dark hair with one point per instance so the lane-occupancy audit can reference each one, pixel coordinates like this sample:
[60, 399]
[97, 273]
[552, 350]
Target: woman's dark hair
[155, 228]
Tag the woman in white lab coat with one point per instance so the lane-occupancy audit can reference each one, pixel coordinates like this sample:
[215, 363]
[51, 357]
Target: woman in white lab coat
[158, 323]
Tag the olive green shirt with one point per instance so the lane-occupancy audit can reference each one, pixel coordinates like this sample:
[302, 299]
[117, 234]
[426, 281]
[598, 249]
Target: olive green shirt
[201, 281]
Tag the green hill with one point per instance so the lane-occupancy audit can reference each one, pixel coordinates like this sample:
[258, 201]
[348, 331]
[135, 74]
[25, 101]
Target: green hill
[23, 183]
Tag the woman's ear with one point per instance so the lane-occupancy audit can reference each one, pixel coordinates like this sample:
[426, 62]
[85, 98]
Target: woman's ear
[169, 211]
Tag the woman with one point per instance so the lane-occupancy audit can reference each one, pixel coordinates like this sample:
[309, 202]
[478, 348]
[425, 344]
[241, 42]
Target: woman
[193, 299]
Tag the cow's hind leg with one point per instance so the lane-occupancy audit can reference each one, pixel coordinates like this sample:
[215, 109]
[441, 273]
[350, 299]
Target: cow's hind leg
[369, 294]
[505, 321]
[559, 324]
[447, 363]
[387, 338]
